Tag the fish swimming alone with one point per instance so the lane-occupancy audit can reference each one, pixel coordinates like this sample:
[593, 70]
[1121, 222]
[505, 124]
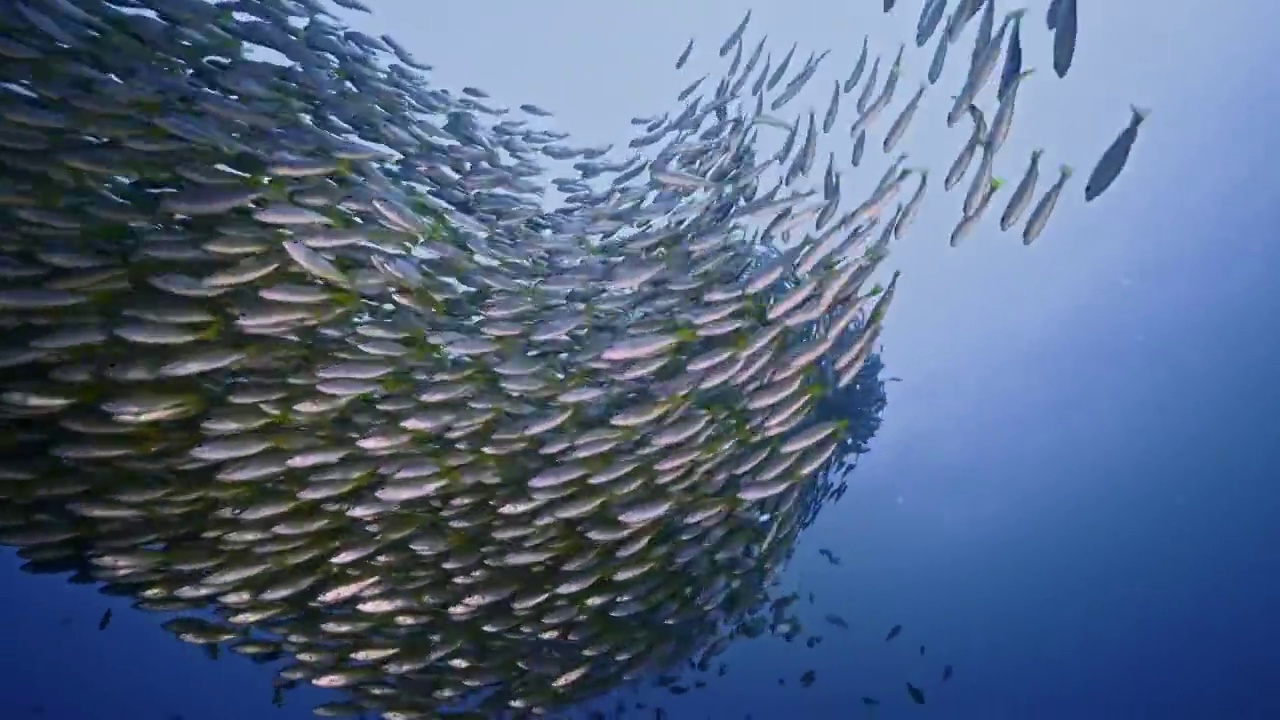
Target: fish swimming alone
[1115, 157]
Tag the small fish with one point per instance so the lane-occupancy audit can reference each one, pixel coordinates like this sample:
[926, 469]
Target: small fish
[105, 620]
[946, 673]
[864, 98]
[859, 147]
[982, 40]
[970, 219]
[1012, 68]
[980, 186]
[894, 632]
[684, 55]
[781, 70]
[917, 695]
[735, 37]
[1022, 193]
[833, 109]
[899, 125]
[939, 59]
[1064, 37]
[961, 164]
[1115, 157]
[1044, 208]
[858, 67]
[912, 207]
[1003, 120]
[931, 15]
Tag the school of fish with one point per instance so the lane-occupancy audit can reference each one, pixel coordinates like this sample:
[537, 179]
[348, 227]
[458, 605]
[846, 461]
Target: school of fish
[297, 352]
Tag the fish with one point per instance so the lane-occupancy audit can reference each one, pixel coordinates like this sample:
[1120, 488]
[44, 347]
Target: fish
[855, 75]
[931, 15]
[915, 693]
[980, 186]
[894, 632]
[960, 165]
[970, 218]
[982, 40]
[984, 62]
[911, 208]
[735, 37]
[833, 110]
[859, 146]
[864, 98]
[1064, 37]
[947, 672]
[1022, 193]
[1012, 68]
[900, 123]
[781, 69]
[1115, 157]
[1044, 207]
[1051, 14]
[1003, 119]
[404, 393]
[105, 620]
[939, 59]
[684, 55]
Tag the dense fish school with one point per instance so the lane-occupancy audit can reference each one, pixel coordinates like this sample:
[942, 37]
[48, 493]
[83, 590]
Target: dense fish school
[299, 353]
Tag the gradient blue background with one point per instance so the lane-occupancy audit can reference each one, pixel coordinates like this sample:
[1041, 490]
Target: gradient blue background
[1074, 494]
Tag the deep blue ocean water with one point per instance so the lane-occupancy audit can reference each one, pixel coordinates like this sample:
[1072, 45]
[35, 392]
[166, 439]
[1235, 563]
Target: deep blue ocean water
[1072, 496]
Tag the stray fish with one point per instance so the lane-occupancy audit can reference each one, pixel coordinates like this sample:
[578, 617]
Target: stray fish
[1115, 157]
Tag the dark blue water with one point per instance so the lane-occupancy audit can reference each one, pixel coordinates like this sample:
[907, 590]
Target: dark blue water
[1072, 498]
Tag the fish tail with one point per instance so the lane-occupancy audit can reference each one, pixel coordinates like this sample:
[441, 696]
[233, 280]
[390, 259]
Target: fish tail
[1139, 113]
[1066, 170]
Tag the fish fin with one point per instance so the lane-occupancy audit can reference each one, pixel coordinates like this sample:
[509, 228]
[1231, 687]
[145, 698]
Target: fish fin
[1067, 170]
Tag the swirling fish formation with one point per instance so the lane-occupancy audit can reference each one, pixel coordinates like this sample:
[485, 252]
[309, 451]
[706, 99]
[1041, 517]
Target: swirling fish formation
[294, 349]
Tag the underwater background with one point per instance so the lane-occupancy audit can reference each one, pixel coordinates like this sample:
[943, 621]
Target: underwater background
[1070, 495]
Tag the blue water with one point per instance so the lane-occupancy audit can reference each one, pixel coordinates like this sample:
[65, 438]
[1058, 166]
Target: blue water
[1073, 495]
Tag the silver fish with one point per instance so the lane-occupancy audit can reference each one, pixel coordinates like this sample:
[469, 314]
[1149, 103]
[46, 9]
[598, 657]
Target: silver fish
[1044, 208]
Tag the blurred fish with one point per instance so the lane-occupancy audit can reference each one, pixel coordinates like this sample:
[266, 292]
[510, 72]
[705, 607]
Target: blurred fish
[1022, 193]
[684, 55]
[916, 694]
[1064, 36]
[1115, 157]
[1044, 208]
